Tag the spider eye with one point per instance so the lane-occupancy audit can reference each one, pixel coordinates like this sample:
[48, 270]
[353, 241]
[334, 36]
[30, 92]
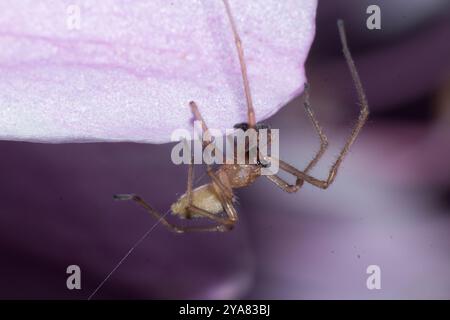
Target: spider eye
[243, 126]
[262, 126]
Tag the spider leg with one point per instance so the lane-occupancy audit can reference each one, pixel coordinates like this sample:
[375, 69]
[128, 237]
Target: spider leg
[240, 51]
[198, 115]
[226, 199]
[190, 208]
[285, 186]
[225, 195]
[363, 115]
[222, 223]
[318, 128]
[153, 212]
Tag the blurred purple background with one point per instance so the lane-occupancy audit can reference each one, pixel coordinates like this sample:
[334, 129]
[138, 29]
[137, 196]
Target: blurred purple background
[389, 206]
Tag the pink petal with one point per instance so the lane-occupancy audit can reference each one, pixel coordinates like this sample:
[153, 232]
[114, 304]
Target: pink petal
[131, 69]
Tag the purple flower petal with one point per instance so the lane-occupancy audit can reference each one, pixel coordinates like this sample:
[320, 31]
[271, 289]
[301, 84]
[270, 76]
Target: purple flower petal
[125, 71]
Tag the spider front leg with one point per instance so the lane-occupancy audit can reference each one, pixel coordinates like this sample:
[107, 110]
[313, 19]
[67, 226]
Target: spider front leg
[240, 51]
[290, 188]
[363, 115]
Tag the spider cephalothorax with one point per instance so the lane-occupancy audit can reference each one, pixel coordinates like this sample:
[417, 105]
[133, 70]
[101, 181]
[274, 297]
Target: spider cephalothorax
[263, 135]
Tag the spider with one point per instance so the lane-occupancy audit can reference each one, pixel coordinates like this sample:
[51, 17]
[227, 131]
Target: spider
[214, 201]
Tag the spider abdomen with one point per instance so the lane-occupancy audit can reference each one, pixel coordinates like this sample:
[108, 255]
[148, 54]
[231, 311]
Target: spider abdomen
[203, 197]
